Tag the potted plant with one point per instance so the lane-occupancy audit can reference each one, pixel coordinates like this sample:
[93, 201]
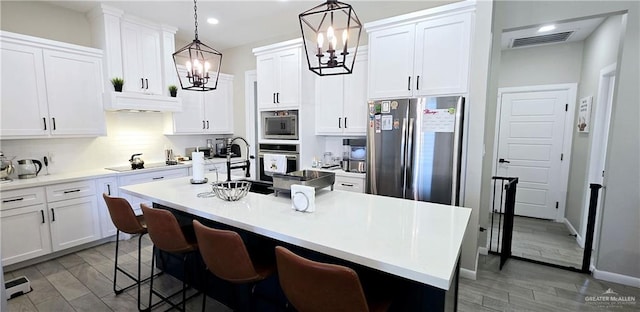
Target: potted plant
[117, 83]
[173, 90]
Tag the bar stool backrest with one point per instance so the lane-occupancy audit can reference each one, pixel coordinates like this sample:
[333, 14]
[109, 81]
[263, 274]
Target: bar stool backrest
[164, 230]
[122, 215]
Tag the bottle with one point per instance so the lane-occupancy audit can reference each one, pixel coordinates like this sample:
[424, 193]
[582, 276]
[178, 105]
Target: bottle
[314, 163]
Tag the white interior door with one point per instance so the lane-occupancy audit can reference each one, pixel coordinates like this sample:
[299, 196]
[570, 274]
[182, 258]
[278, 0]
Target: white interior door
[530, 145]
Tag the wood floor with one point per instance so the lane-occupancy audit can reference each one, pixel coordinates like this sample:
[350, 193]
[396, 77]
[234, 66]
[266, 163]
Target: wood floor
[82, 281]
[542, 240]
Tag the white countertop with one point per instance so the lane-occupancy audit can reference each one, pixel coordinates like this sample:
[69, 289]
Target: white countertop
[419, 241]
[43, 180]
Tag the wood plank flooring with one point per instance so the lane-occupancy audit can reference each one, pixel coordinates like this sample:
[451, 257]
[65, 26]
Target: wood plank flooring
[82, 282]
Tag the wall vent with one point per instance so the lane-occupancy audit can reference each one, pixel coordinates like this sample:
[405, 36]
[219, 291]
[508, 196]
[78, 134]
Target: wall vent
[543, 39]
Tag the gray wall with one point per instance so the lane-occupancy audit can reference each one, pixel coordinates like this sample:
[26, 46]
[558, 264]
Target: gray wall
[600, 50]
[619, 251]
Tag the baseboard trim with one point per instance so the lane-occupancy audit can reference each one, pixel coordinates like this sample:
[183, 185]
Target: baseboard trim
[573, 231]
[483, 251]
[468, 274]
[615, 277]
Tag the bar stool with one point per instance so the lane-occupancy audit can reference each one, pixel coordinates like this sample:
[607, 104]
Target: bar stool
[167, 235]
[312, 286]
[226, 256]
[125, 221]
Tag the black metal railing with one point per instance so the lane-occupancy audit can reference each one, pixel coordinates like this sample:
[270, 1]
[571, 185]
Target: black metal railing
[502, 217]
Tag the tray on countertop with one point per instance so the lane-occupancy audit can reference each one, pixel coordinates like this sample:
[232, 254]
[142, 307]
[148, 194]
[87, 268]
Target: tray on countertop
[313, 178]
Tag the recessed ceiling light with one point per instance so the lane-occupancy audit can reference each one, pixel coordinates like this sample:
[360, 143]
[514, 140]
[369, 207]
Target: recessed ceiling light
[212, 21]
[547, 28]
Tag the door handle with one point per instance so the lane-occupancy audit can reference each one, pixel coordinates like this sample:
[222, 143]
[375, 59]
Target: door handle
[207, 124]
[141, 83]
[53, 215]
[409, 83]
[54, 123]
[418, 83]
[203, 125]
[147, 81]
[44, 121]
[109, 189]
[345, 122]
[502, 160]
[278, 97]
[274, 98]
[42, 214]
[339, 122]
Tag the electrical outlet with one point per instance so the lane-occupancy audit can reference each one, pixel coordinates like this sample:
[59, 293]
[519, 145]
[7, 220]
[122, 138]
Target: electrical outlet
[50, 157]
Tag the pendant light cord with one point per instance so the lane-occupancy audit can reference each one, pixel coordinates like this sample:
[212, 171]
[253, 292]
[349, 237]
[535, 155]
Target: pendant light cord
[195, 17]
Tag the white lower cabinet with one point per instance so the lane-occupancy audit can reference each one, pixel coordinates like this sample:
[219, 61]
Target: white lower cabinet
[73, 214]
[131, 179]
[24, 225]
[108, 186]
[349, 183]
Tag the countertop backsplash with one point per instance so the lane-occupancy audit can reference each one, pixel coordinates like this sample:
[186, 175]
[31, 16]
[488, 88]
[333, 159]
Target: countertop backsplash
[127, 133]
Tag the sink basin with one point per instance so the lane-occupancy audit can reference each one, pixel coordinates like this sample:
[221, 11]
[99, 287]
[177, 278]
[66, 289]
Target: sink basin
[260, 187]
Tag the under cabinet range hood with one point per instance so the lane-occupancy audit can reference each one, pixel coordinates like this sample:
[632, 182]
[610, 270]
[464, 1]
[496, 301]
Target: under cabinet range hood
[131, 101]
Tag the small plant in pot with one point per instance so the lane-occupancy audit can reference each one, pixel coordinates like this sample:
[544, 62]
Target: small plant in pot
[173, 90]
[117, 83]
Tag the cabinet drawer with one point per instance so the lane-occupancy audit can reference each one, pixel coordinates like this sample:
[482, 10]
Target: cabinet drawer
[22, 198]
[152, 176]
[70, 190]
[349, 184]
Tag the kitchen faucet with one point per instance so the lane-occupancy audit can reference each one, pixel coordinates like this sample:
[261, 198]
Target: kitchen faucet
[247, 164]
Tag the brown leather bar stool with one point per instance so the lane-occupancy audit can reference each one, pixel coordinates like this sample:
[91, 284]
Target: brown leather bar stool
[167, 235]
[125, 221]
[312, 286]
[226, 256]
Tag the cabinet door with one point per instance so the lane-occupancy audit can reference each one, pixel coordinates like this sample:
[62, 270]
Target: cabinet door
[329, 102]
[151, 62]
[23, 97]
[132, 67]
[24, 233]
[266, 75]
[288, 89]
[74, 222]
[108, 186]
[355, 108]
[391, 62]
[74, 93]
[218, 108]
[442, 55]
[191, 119]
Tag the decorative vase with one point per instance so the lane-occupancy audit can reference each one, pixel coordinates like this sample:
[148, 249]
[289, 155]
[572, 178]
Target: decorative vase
[118, 88]
[173, 93]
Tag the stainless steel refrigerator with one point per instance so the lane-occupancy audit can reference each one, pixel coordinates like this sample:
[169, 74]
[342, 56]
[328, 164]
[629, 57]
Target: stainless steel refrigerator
[414, 148]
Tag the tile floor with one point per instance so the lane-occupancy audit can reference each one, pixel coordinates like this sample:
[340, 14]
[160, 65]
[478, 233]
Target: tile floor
[82, 281]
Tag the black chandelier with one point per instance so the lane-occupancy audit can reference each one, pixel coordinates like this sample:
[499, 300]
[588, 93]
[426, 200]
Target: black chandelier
[327, 30]
[202, 63]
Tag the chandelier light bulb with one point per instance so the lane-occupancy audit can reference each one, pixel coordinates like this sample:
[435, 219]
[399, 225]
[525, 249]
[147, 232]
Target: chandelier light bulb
[188, 66]
[320, 40]
[330, 34]
[345, 34]
[206, 66]
[333, 43]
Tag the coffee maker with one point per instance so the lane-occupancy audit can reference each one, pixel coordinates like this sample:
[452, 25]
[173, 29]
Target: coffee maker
[354, 155]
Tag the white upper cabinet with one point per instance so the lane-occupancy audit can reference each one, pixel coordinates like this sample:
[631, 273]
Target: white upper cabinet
[425, 54]
[279, 77]
[141, 59]
[209, 112]
[341, 101]
[59, 92]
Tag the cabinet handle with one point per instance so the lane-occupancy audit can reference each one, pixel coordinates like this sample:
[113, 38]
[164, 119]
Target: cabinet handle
[147, 81]
[53, 215]
[44, 121]
[418, 83]
[13, 200]
[274, 98]
[158, 178]
[54, 123]
[109, 189]
[141, 83]
[346, 184]
[203, 124]
[207, 124]
[339, 122]
[278, 97]
[409, 84]
[42, 214]
[72, 191]
[345, 122]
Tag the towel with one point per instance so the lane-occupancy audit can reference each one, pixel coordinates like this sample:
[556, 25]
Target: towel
[275, 163]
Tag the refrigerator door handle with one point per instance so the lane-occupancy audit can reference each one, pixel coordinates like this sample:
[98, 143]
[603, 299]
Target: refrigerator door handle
[456, 155]
[403, 157]
[409, 162]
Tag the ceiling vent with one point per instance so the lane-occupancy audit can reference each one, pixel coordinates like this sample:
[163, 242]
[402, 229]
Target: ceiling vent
[543, 39]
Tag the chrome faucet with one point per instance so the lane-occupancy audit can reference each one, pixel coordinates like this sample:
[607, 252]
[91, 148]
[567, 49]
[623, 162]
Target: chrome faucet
[247, 162]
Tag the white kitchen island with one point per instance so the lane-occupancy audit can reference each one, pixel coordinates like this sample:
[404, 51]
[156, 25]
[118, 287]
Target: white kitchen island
[416, 241]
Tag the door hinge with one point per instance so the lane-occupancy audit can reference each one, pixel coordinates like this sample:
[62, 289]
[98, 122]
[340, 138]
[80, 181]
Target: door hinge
[566, 107]
[561, 156]
[556, 205]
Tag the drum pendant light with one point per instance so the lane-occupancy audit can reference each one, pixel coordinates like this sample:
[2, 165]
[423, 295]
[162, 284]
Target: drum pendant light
[331, 34]
[202, 63]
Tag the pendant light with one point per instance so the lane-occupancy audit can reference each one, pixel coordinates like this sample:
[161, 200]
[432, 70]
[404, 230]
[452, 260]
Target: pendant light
[331, 34]
[202, 63]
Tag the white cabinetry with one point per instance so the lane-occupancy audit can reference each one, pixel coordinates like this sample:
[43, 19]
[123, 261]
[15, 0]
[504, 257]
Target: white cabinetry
[208, 112]
[108, 186]
[141, 58]
[24, 225]
[278, 70]
[59, 92]
[131, 179]
[428, 56]
[350, 183]
[73, 213]
[341, 101]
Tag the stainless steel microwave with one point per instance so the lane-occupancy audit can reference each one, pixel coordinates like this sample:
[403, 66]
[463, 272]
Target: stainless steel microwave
[280, 127]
